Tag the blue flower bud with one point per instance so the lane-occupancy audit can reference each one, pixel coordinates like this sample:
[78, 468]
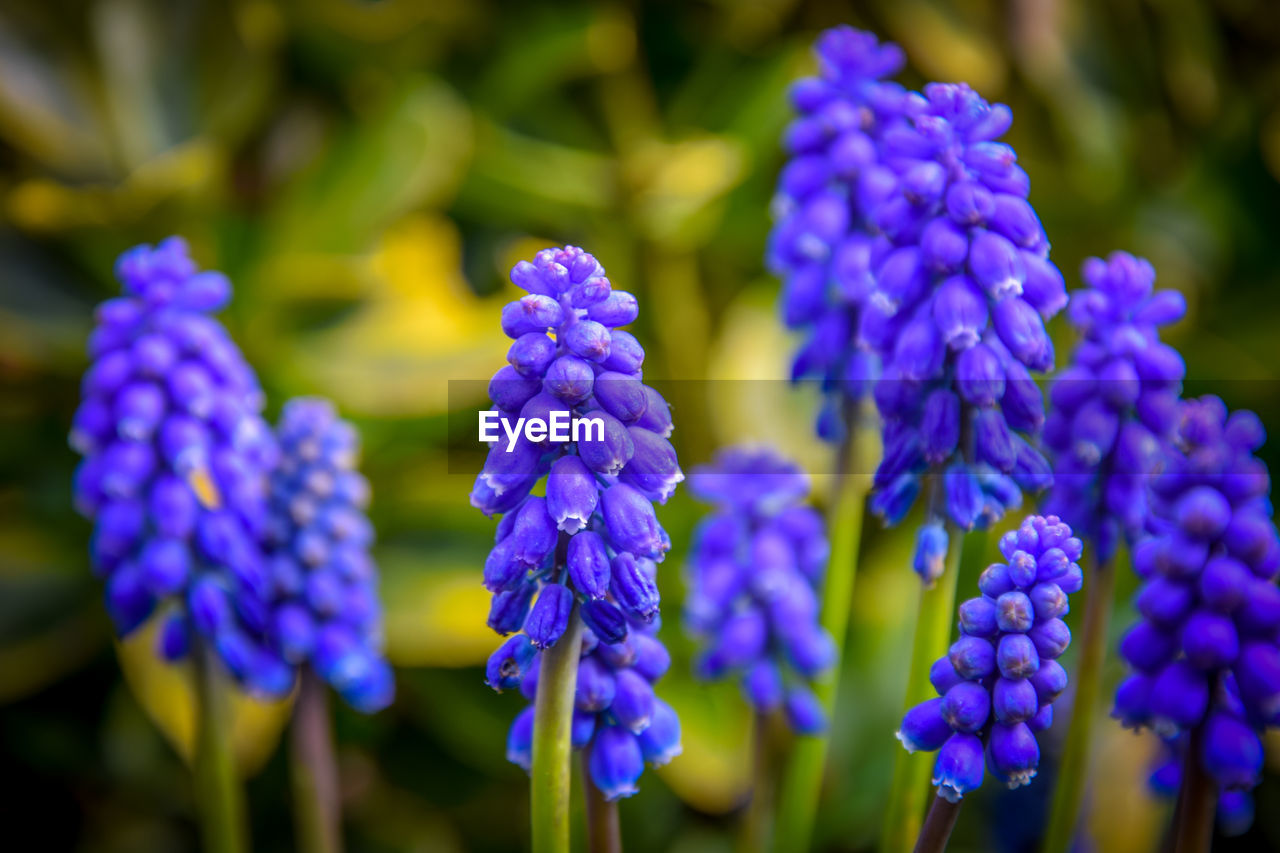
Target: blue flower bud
[660, 742]
[618, 309]
[509, 608]
[996, 266]
[804, 712]
[1014, 612]
[631, 522]
[1016, 656]
[652, 658]
[533, 536]
[1232, 752]
[596, 686]
[1015, 755]
[653, 469]
[931, 552]
[549, 617]
[1049, 681]
[1209, 640]
[1014, 700]
[588, 339]
[1051, 638]
[940, 425]
[972, 658]
[509, 391]
[621, 395]
[958, 769]
[960, 312]
[966, 707]
[572, 494]
[924, 727]
[569, 379]
[1022, 331]
[605, 619]
[633, 702]
[993, 441]
[532, 313]
[508, 664]
[615, 762]
[763, 686]
[633, 586]
[607, 455]
[1180, 694]
[531, 355]
[963, 495]
[1147, 647]
[588, 563]
[980, 378]
[520, 740]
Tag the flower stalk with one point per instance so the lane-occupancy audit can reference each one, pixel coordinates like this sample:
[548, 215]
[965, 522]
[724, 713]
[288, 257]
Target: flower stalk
[802, 782]
[1074, 767]
[604, 834]
[314, 771]
[911, 772]
[938, 824]
[218, 794]
[1193, 831]
[552, 723]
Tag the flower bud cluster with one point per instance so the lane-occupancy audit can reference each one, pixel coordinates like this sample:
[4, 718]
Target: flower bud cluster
[589, 547]
[822, 242]
[176, 457]
[997, 685]
[1206, 648]
[754, 580]
[616, 716]
[1113, 407]
[326, 612]
[963, 287]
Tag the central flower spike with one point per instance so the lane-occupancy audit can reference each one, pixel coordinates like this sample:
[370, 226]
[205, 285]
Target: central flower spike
[1204, 649]
[823, 240]
[325, 585]
[589, 547]
[176, 461]
[963, 285]
[1114, 407]
[997, 685]
[754, 580]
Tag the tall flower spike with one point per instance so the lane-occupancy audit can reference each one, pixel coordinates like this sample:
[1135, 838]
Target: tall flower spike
[326, 612]
[175, 462]
[997, 685]
[963, 286]
[1112, 406]
[1204, 650]
[589, 548]
[754, 579]
[823, 242]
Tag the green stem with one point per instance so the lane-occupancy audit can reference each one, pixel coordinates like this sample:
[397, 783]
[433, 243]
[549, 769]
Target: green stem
[218, 795]
[552, 724]
[755, 826]
[912, 771]
[1074, 767]
[802, 782]
[316, 807]
[1197, 801]
[604, 834]
[936, 831]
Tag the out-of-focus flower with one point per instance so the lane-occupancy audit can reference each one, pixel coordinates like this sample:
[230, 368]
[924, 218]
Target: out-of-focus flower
[1204, 650]
[963, 286]
[1113, 406]
[589, 548]
[997, 685]
[176, 460]
[823, 241]
[326, 612]
[1235, 807]
[754, 579]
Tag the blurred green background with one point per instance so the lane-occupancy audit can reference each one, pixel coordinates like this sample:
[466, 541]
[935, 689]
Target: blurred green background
[366, 172]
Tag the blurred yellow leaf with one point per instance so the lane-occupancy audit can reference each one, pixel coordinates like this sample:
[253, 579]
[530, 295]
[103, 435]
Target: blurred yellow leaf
[419, 326]
[680, 183]
[435, 617]
[1123, 814]
[946, 49]
[167, 693]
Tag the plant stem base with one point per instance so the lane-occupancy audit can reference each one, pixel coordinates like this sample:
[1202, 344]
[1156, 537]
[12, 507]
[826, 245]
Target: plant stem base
[314, 770]
[219, 797]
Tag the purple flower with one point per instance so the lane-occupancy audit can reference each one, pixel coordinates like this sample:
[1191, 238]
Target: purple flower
[324, 583]
[587, 550]
[824, 241]
[754, 580]
[997, 685]
[175, 460]
[962, 289]
[1106, 427]
[1205, 646]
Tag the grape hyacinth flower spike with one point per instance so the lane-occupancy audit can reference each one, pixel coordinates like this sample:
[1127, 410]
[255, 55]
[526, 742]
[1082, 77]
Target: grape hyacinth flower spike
[176, 457]
[963, 288]
[823, 239]
[997, 684]
[1111, 415]
[326, 618]
[754, 582]
[822, 246]
[1204, 652]
[573, 572]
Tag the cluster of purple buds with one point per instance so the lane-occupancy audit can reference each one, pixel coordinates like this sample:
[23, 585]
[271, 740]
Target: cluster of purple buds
[963, 287]
[822, 243]
[589, 547]
[326, 611]
[1235, 807]
[1206, 648]
[176, 461]
[997, 684]
[753, 583]
[593, 538]
[1113, 407]
[616, 715]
